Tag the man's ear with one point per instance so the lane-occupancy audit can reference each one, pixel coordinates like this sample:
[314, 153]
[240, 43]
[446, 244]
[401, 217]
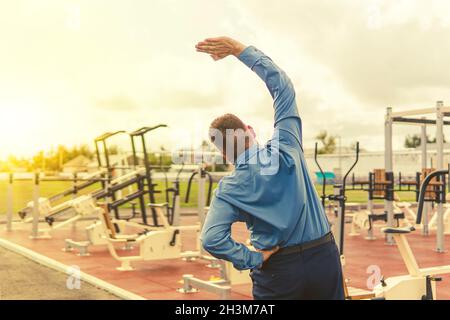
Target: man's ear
[252, 132]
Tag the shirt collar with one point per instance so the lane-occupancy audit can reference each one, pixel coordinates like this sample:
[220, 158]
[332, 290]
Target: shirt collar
[247, 154]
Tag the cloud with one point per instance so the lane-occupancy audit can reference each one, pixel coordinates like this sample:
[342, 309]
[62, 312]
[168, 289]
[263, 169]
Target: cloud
[117, 103]
[187, 99]
[380, 51]
[348, 59]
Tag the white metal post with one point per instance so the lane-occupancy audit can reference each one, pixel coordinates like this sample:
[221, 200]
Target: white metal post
[9, 202]
[423, 148]
[201, 203]
[176, 209]
[74, 196]
[35, 225]
[370, 235]
[201, 195]
[74, 184]
[388, 165]
[423, 145]
[440, 247]
[337, 221]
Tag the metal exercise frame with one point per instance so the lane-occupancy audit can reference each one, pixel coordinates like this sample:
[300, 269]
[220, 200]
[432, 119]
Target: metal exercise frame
[140, 133]
[410, 117]
[103, 141]
[340, 197]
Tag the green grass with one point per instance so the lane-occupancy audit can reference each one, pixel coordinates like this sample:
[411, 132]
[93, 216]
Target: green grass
[23, 193]
[183, 187]
[361, 196]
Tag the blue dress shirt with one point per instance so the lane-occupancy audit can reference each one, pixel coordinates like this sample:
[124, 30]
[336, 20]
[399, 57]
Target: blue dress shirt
[270, 189]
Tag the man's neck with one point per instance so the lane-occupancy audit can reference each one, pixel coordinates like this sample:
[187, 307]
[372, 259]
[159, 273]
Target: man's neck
[241, 157]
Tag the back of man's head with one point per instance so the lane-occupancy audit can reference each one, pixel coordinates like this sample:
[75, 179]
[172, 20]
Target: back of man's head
[230, 135]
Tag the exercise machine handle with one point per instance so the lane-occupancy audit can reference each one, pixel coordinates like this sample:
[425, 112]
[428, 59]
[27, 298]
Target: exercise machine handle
[108, 135]
[340, 197]
[423, 190]
[210, 185]
[188, 190]
[343, 199]
[344, 181]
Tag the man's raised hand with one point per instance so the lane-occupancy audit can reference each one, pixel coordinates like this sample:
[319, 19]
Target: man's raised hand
[221, 47]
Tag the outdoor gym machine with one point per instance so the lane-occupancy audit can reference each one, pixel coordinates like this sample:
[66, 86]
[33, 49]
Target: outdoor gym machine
[417, 117]
[379, 186]
[87, 181]
[173, 198]
[102, 140]
[79, 184]
[420, 282]
[170, 227]
[111, 186]
[140, 133]
[338, 196]
[202, 202]
[228, 274]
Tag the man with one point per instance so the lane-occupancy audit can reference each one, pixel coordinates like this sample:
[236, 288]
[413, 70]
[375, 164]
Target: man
[295, 256]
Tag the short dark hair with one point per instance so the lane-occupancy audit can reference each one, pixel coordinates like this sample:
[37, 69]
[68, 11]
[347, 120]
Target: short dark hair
[226, 123]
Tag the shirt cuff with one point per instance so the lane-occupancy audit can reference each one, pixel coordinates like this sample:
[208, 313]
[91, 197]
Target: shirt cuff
[259, 260]
[250, 56]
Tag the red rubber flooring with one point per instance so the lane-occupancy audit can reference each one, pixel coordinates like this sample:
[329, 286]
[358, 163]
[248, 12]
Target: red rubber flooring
[160, 279]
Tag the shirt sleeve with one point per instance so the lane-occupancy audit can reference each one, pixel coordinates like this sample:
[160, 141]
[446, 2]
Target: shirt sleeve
[287, 119]
[216, 237]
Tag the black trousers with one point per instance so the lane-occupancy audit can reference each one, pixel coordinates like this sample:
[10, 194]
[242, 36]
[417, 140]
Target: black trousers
[314, 274]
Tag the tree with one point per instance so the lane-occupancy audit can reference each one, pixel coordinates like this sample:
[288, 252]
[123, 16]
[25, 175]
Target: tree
[86, 151]
[54, 160]
[13, 162]
[328, 142]
[205, 145]
[415, 140]
[114, 150]
[39, 161]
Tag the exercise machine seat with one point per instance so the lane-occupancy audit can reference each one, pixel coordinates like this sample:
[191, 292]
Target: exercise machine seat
[378, 216]
[404, 230]
[399, 215]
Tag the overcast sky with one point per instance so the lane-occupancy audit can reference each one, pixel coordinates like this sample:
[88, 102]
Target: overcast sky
[71, 70]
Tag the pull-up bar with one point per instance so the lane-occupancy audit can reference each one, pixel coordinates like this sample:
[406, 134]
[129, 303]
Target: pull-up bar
[144, 130]
[417, 121]
[421, 112]
[108, 135]
[410, 117]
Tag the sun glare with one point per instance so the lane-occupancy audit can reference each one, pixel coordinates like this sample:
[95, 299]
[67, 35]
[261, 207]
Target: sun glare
[22, 124]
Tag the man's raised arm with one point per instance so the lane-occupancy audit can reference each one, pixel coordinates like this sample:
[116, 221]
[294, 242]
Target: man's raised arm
[216, 237]
[280, 86]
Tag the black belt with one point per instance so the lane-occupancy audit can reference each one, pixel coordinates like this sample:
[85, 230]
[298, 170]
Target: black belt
[307, 245]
